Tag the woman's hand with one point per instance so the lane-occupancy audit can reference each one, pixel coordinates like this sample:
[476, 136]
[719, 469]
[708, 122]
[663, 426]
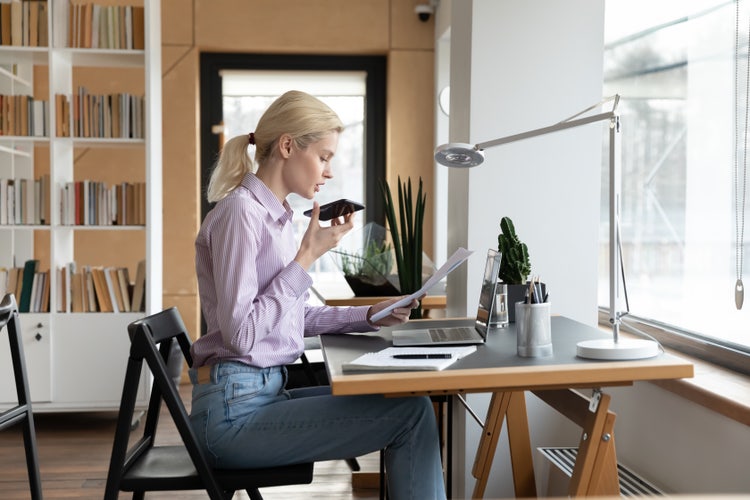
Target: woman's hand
[317, 239]
[398, 316]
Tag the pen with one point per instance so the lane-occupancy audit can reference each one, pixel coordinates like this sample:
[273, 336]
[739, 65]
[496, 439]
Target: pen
[422, 356]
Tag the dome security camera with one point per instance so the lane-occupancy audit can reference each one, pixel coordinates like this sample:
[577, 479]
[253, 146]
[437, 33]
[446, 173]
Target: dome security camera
[424, 11]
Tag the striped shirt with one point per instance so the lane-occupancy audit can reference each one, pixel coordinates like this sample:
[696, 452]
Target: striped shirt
[252, 292]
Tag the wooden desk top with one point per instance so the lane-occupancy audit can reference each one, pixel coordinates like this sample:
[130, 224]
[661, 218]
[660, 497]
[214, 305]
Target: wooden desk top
[338, 293]
[429, 302]
[495, 366]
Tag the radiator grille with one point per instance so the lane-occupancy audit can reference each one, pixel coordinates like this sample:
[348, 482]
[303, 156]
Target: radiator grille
[631, 485]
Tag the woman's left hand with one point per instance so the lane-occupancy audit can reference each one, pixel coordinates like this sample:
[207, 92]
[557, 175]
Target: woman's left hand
[398, 316]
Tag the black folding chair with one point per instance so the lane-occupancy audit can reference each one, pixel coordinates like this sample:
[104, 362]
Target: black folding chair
[22, 412]
[146, 467]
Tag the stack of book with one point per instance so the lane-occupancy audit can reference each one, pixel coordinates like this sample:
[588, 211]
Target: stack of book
[22, 115]
[24, 23]
[25, 201]
[94, 26]
[92, 203]
[30, 286]
[101, 289]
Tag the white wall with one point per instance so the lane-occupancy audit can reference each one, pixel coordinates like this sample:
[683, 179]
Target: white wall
[548, 185]
[517, 65]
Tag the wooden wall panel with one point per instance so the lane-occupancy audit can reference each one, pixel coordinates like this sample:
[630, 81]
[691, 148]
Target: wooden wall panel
[181, 173]
[411, 126]
[301, 26]
[177, 22]
[407, 31]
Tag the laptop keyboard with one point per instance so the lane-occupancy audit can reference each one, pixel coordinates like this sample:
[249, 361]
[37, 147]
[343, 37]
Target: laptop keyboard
[460, 333]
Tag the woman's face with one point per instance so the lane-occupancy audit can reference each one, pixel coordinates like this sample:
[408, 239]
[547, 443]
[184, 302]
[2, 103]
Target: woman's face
[308, 169]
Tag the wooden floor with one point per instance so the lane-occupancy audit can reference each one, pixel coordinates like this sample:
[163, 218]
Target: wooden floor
[74, 450]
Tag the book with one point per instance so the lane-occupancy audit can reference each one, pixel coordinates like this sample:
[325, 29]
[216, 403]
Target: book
[139, 288]
[90, 304]
[123, 279]
[5, 25]
[46, 292]
[138, 16]
[101, 289]
[384, 360]
[76, 292]
[113, 283]
[29, 271]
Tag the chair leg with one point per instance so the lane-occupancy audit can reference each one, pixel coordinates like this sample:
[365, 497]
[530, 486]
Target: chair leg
[353, 464]
[254, 494]
[383, 485]
[32, 458]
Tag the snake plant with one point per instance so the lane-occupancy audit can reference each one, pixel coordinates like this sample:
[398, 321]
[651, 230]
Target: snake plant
[406, 233]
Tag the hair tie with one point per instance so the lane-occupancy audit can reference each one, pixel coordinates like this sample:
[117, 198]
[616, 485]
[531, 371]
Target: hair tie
[251, 137]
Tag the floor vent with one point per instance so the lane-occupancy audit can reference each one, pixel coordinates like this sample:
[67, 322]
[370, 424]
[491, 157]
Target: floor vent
[631, 485]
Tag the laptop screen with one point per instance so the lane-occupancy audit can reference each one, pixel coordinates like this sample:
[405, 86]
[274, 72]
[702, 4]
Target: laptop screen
[487, 293]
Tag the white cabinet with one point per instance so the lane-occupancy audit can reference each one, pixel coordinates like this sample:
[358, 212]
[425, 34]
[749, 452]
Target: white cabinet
[76, 360]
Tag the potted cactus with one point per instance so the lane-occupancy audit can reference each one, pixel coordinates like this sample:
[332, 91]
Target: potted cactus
[515, 265]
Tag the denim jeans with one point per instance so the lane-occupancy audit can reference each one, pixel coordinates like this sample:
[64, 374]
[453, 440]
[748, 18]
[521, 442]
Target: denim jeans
[245, 418]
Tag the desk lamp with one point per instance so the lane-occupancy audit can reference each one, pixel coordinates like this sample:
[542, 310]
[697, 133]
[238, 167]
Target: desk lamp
[461, 155]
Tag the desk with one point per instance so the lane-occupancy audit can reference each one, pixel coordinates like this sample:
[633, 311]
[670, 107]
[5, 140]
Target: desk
[496, 368]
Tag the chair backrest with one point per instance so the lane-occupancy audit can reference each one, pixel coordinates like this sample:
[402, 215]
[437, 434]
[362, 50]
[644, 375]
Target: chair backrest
[162, 328]
[22, 412]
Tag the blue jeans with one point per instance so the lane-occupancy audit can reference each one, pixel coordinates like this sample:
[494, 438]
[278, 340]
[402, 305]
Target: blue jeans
[245, 418]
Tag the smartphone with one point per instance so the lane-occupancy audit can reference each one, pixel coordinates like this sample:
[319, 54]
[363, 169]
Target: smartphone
[337, 209]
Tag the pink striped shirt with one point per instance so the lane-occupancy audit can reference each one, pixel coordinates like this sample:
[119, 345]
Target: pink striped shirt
[252, 292]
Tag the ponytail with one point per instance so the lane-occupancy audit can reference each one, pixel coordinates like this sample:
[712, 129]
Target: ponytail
[230, 169]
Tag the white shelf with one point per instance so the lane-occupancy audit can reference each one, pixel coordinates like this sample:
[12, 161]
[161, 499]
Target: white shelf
[62, 379]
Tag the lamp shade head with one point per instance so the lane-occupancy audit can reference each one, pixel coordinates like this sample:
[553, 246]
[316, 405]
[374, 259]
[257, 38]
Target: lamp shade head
[459, 154]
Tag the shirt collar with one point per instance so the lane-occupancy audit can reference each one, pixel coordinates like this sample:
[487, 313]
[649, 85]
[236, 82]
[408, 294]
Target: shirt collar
[278, 211]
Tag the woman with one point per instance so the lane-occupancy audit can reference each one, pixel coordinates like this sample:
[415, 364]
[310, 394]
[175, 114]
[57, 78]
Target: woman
[253, 285]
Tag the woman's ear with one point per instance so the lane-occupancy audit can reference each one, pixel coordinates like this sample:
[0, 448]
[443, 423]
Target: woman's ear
[286, 143]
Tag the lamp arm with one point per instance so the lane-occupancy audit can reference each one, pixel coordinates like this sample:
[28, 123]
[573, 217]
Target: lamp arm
[563, 125]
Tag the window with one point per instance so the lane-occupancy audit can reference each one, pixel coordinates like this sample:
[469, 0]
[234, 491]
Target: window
[673, 63]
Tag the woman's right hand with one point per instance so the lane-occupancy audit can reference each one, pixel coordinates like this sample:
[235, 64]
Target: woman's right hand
[317, 239]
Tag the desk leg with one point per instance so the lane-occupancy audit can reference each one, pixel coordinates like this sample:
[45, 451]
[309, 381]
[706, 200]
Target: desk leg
[513, 406]
[595, 471]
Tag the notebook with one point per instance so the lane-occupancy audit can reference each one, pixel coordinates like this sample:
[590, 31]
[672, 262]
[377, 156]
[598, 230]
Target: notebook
[476, 334]
[408, 358]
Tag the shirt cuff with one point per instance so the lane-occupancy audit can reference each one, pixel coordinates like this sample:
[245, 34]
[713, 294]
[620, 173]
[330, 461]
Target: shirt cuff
[359, 317]
[297, 278]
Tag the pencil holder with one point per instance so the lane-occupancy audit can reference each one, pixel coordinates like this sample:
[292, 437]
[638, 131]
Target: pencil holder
[533, 330]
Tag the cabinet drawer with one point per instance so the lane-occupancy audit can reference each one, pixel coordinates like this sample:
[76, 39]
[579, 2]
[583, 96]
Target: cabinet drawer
[35, 331]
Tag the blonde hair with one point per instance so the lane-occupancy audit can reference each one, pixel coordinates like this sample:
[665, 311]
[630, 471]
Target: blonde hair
[305, 118]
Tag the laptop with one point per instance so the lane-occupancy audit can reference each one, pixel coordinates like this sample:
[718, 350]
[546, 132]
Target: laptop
[457, 335]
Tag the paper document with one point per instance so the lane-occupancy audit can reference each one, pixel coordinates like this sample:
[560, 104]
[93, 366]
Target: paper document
[386, 360]
[453, 262]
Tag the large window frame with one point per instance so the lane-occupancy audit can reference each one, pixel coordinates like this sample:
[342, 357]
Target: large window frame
[720, 351]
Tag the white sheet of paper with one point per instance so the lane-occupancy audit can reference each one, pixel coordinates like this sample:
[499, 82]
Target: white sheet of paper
[453, 262]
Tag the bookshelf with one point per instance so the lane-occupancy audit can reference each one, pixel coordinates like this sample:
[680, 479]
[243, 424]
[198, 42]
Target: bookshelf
[76, 360]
